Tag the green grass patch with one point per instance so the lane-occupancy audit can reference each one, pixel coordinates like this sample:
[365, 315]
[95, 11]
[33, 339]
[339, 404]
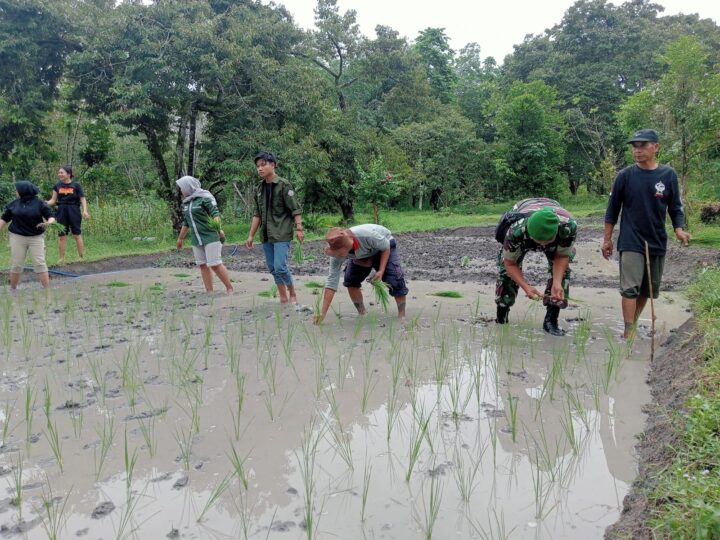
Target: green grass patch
[181, 275]
[687, 496]
[315, 285]
[447, 294]
[118, 284]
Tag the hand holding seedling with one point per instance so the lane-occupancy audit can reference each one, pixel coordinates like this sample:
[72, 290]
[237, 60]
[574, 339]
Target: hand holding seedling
[556, 291]
[377, 277]
[317, 319]
[532, 293]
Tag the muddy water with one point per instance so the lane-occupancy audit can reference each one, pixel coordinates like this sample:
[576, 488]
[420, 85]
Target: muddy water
[357, 429]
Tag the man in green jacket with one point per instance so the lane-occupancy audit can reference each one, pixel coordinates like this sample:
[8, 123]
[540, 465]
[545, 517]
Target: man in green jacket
[277, 214]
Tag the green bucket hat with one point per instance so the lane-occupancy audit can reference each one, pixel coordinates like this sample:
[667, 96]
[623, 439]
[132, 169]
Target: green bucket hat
[543, 225]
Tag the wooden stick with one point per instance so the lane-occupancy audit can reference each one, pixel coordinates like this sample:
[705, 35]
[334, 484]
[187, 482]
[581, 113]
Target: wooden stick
[652, 303]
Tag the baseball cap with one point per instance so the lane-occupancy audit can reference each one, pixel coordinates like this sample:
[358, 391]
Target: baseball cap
[644, 135]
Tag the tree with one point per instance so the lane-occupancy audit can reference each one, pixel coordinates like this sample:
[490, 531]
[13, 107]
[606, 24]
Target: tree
[446, 157]
[436, 55]
[478, 89]
[36, 37]
[530, 133]
[377, 185]
[683, 104]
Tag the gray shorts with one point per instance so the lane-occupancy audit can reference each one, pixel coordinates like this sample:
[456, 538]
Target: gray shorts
[633, 274]
[208, 254]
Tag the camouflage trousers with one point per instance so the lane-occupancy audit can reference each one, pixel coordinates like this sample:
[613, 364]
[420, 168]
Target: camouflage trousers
[506, 290]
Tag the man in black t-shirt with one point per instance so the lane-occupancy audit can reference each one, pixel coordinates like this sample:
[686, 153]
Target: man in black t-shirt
[645, 193]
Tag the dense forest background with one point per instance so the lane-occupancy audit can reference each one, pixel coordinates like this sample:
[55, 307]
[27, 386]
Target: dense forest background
[135, 95]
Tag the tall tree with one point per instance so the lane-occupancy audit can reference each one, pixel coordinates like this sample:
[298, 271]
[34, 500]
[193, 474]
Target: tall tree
[438, 58]
[531, 150]
[683, 104]
[36, 36]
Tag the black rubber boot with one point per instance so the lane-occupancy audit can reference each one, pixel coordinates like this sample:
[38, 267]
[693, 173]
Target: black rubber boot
[502, 315]
[550, 324]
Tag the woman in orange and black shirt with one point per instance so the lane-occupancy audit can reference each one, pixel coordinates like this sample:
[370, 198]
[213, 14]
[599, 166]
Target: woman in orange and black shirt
[69, 197]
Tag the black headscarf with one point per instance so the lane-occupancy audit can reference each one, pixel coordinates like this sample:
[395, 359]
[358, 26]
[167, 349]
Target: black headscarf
[27, 190]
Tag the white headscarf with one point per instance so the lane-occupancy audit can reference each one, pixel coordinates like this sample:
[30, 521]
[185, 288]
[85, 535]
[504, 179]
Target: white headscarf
[191, 185]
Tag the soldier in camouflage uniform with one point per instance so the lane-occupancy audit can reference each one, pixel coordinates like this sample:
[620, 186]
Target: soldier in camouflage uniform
[546, 227]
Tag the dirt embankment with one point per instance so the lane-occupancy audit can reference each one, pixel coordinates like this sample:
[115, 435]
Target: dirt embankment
[434, 256]
[672, 379]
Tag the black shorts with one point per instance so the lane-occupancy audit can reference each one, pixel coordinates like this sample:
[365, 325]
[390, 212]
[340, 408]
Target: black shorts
[69, 215]
[393, 276]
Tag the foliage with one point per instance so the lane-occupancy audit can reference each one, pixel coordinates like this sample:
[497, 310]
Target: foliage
[530, 131]
[687, 495]
[377, 186]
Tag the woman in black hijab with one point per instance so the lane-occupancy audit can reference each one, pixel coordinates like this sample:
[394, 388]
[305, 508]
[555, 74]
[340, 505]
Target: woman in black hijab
[28, 217]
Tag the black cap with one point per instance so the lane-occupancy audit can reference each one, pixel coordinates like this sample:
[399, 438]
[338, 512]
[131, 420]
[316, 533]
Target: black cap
[267, 156]
[644, 135]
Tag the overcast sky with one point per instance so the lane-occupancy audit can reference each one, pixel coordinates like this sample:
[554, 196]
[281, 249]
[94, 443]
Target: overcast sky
[496, 25]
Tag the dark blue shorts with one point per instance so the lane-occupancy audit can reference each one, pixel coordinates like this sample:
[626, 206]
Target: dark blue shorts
[393, 276]
[70, 217]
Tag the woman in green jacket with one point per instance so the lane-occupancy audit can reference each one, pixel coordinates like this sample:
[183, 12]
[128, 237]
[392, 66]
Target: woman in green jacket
[199, 208]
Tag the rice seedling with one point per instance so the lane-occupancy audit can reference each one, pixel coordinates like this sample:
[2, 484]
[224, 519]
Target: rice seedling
[368, 383]
[298, 254]
[30, 400]
[497, 532]
[52, 512]
[367, 473]
[215, 495]
[147, 430]
[314, 285]
[117, 284]
[55, 443]
[130, 461]
[446, 294]
[419, 432]
[464, 261]
[459, 396]
[431, 508]
[106, 434]
[184, 440]
[272, 292]
[16, 484]
[7, 418]
[341, 442]
[393, 412]
[512, 404]
[466, 477]
[613, 361]
[582, 333]
[237, 413]
[306, 464]
[382, 295]
[181, 275]
[568, 426]
[238, 464]
[541, 490]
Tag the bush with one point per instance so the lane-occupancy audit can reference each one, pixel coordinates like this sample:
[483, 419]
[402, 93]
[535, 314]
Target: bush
[710, 213]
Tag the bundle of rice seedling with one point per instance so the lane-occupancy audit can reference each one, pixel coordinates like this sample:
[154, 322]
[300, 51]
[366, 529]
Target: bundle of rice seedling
[216, 226]
[298, 255]
[447, 294]
[382, 294]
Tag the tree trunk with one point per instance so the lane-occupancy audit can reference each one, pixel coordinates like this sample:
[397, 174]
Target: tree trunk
[191, 139]
[376, 213]
[435, 199]
[180, 147]
[348, 212]
[167, 190]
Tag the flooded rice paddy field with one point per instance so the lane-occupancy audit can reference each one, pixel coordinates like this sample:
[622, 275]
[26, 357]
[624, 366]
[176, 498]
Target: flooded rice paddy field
[132, 405]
